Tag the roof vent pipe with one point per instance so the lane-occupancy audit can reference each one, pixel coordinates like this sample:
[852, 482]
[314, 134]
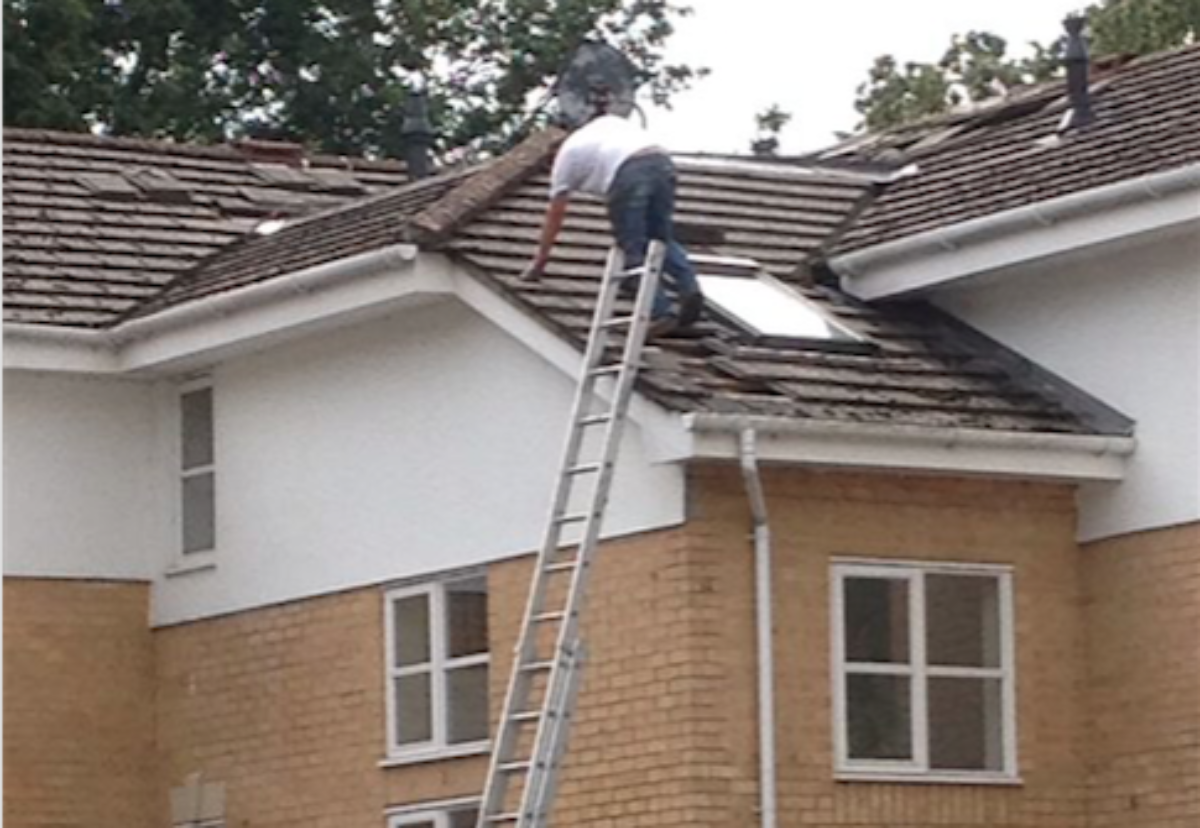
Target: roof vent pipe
[418, 136]
[1076, 59]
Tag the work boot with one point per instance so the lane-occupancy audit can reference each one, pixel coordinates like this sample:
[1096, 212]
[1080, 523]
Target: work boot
[691, 306]
[662, 326]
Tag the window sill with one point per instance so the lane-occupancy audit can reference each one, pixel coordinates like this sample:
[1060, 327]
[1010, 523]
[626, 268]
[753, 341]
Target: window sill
[192, 563]
[991, 779]
[435, 754]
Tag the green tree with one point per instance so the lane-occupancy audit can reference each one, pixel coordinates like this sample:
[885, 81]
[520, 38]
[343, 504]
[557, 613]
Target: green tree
[978, 66]
[331, 73]
[770, 123]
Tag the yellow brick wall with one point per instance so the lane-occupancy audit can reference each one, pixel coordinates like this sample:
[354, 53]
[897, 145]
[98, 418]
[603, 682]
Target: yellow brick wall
[1142, 596]
[816, 517]
[78, 705]
[285, 704]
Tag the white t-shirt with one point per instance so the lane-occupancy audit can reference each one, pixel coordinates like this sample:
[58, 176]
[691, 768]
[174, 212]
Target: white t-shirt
[588, 160]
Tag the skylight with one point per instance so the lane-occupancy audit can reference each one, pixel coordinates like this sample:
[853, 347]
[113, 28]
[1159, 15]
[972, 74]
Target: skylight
[741, 291]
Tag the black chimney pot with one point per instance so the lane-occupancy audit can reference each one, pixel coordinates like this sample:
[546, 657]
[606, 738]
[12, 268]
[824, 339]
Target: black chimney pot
[418, 136]
[1076, 59]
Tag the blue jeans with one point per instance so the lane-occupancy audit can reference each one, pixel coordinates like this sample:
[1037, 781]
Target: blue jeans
[641, 203]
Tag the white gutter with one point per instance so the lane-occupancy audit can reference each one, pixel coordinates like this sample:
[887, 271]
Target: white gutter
[1059, 225]
[764, 628]
[1063, 457]
[222, 305]
[198, 329]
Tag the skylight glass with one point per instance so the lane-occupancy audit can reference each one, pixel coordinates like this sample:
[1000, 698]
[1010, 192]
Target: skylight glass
[768, 307]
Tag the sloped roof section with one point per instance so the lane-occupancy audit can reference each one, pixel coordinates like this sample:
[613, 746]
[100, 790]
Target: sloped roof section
[334, 234]
[913, 366]
[1010, 154]
[94, 226]
[917, 367]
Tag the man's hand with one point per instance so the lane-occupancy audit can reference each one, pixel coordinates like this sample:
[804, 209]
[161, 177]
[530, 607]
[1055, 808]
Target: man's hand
[534, 272]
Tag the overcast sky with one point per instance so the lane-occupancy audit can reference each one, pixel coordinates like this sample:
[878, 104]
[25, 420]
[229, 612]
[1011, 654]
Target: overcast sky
[810, 57]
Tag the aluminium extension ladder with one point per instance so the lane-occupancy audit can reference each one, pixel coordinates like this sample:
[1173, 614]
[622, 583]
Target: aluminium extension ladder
[539, 704]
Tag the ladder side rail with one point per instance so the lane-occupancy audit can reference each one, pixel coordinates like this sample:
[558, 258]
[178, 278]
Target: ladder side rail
[568, 630]
[558, 740]
[495, 787]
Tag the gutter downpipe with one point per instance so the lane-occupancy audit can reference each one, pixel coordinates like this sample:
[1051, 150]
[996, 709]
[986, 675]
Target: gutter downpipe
[763, 626]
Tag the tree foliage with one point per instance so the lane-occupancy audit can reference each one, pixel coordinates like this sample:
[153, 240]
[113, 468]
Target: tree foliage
[977, 65]
[331, 73]
[770, 123]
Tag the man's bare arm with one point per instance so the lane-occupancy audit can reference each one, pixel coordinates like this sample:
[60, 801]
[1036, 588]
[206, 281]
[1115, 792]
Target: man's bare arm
[556, 213]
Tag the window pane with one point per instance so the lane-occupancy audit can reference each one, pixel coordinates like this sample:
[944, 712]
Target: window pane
[424, 823]
[962, 620]
[410, 624]
[464, 818]
[965, 724]
[878, 717]
[197, 428]
[467, 704]
[769, 308]
[199, 513]
[414, 719]
[876, 620]
[466, 618]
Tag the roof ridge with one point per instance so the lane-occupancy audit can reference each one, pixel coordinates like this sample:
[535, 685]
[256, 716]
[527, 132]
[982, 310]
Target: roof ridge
[439, 220]
[226, 150]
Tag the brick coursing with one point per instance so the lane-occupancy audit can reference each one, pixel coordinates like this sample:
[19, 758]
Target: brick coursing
[285, 704]
[1142, 595]
[78, 705]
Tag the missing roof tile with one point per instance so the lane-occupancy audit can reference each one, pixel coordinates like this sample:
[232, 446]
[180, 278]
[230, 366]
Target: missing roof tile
[109, 185]
[160, 186]
[287, 177]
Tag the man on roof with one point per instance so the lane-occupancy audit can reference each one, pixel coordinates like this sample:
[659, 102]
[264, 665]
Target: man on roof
[615, 159]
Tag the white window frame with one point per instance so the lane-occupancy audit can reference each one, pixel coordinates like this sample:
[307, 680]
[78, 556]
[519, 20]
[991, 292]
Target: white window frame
[436, 812]
[438, 665]
[198, 558]
[732, 267]
[919, 671]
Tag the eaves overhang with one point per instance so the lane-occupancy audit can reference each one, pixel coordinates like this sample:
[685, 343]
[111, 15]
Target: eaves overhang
[1040, 230]
[206, 330]
[912, 449]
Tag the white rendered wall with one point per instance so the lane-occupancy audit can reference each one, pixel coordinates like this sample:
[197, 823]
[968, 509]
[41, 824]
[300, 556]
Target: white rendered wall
[80, 494]
[410, 444]
[1125, 326]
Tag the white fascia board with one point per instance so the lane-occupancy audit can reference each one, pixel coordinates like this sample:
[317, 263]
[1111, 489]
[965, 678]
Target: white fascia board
[44, 348]
[1070, 458]
[1067, 224]
[212, 328]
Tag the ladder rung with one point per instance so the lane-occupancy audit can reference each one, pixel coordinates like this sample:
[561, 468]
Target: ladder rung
[606, 370]
[595, 419]
[498, 818]
[526, 716]
[522, 766]
[578, 517]
[536, 666]
[560, 567]
[549, 616]
[619, 322]
[585, 468]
